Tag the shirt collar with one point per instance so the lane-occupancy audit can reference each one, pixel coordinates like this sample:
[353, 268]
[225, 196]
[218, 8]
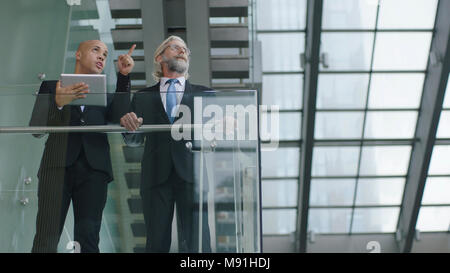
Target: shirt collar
[182, 80]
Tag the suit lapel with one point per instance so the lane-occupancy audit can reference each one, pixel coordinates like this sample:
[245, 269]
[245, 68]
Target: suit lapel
[157, 102]
[186, 100]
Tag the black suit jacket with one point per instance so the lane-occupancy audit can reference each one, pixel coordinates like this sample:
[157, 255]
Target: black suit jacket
[62, 149]
[161, 151]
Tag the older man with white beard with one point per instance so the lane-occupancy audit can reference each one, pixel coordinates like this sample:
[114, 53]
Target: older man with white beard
[167, 176]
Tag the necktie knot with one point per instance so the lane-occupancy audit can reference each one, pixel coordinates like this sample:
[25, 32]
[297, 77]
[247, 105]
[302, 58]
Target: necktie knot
[172, 81]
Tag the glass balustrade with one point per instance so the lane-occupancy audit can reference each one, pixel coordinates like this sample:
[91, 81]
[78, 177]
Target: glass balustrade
[212, 146]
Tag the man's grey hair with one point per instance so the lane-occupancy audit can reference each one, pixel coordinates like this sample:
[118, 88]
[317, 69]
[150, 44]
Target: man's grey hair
[157, 72]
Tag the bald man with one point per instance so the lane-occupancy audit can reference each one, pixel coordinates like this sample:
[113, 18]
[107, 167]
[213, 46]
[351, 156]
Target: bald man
[76, 167]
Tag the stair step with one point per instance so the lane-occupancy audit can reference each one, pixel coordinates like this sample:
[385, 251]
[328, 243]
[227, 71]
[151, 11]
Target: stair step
[228, 8]
[135, 204]
[138, 229]
[227, 57]
[230, 67]
[229, 36]
[124, 36]
[139, 248]
[229, 86]
[133, 179]
[125, 9]
[133, 154]
[87, 10]
[237, 25]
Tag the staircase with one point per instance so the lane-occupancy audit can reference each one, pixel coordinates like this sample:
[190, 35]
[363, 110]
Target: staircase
[230, 69]
[229, 34]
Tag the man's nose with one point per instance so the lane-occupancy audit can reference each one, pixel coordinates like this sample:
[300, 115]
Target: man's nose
[101, 58]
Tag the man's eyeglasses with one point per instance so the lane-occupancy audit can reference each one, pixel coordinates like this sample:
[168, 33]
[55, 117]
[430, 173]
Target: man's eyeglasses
[179, 48]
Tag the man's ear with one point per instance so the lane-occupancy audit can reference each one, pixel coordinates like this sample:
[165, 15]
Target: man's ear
[78, 55]
[159, 59]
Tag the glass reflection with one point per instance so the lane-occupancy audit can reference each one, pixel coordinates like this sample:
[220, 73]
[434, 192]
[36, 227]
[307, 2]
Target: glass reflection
[349, 14]
[281, 14]
[385, 160]
[407, 14]
[281, 51]
[347, 51]
[401, 51]
[376, 220]
[338, 125]
[395, 90]
[332, 192]
[340, 161]
[342, 91]
[329, 220]
[390, 124]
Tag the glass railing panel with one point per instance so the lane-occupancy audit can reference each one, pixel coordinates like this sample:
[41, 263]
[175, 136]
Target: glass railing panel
[218, 162]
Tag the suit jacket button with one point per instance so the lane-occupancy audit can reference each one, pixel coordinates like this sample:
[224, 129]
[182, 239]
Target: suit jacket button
[82, 122]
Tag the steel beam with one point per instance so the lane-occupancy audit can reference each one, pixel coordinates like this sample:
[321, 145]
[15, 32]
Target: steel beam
[430, 111]
[312, 52]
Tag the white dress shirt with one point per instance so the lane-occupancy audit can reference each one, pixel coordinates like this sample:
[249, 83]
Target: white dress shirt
[179, 87]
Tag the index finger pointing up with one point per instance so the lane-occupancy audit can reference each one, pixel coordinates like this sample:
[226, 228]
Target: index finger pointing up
[131, 50]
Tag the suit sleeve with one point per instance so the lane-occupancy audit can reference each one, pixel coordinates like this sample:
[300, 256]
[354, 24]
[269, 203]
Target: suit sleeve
[120, 103]
[45, 112]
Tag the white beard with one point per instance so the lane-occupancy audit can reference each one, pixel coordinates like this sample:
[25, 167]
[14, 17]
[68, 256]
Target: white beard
[179, 66]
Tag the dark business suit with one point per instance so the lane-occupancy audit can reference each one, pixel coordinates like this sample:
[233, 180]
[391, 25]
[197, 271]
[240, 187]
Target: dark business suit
[168, 175]
[74, 167]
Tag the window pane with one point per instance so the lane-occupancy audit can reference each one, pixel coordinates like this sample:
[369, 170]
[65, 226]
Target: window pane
[330, 125]
[332, 192]
[281, 14]
[437, 191]
[281, 162]
[337, 91]
[380, 191]
[401, 51]
[396, 90]
[407, 14]
[347, 51]
[440, 159]
[349, 14]
[391, 124]
[444, 125]
[375, 220]
[335, 161]
[281, 51]
[289, 125]
[276, 193]
[280, 221]
[434, 219]
[385, 160]
[329, 220]
[285, 91]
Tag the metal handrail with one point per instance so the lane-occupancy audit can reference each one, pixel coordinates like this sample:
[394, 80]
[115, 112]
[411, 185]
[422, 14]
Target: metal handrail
[95, 128]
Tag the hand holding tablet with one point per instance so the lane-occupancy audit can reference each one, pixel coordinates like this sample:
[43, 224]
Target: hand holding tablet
[81, 89]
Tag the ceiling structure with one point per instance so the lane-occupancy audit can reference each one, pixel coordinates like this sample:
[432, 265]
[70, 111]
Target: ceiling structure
[361, 96]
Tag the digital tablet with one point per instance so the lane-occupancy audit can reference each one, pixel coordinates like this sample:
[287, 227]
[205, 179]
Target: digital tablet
[97, 88]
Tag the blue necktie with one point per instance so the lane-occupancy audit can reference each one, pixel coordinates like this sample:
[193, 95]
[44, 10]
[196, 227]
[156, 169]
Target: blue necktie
[171, 100]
